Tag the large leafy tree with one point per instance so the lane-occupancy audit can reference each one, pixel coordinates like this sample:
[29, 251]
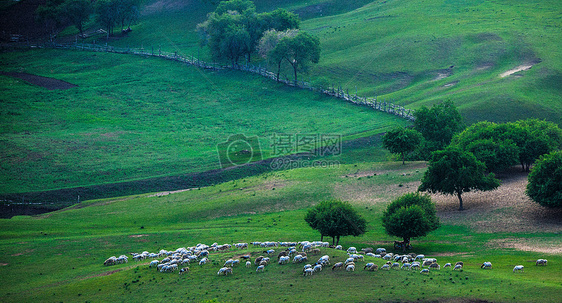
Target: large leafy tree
[336, 219]
[438, 125]
[410, 216]
[545, 180]
[237, 19]
[402, 141]
[299, 51]
[78, 12]
[51, 16]
[454, 171]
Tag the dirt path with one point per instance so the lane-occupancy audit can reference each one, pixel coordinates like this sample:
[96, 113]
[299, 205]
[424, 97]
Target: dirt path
[517, 69]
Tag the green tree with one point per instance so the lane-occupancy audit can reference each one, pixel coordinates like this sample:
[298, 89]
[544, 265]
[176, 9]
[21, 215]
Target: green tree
[280, 20]
[540, 137]
[335, 219]
[299, 51]
[438, 125]
[51, 16]
[128, 11]
[402, 141]
[455, 171]
[269, 49]
[78, 12]
[106, 14]
[410, 216]
[545, 180]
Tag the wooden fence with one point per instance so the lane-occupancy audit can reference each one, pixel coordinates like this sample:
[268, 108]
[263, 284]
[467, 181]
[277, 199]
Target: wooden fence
[337, 92]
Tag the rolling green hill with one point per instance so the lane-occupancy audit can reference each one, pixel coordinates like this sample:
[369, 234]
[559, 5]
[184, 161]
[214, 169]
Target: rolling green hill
[415, 52]
[134, 118]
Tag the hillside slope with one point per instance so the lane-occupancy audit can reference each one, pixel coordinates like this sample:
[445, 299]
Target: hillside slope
[415, 52]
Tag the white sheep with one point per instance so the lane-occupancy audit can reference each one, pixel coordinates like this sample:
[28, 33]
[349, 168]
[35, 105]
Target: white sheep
[317, 268]
[260, 268]
[486, 265]
[424, 271]
[308, 272]
[447, 265]
[153, 263]
[541, 262]
[352, 250]
[458, 266]
[203, 261]
[385, 267]
[248, 263]
[184, 270]
[518, 268]
[337, 265]
[350, 267]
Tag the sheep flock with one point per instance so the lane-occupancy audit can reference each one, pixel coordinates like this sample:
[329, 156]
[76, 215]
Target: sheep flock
[283, 253]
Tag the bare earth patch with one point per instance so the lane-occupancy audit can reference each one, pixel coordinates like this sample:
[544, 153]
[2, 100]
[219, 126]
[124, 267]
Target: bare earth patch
[506, 209]
[137, 236]
[545, 247]
[517, 69]
[45, 82]
[165, 193]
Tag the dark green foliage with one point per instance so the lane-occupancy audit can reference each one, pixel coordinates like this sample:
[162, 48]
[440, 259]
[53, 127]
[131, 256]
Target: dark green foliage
[402, 141]
[410, 216]
[78, 12]
[500, 145]
[438, 125]
[234, 29]
[455, 171]
[545, 180]
[335, 219]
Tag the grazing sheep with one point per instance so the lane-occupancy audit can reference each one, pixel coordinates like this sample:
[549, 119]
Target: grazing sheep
[337, 265]
[258, 260]
[367, 250]
[339, 247]
[260, 268]
[350, 267]
[248, 263]
[385, 267]
[486, 265]
[380, 250]
[184, 270]
[424, 271]
[315, 251]
[373, 267]
[203, 261]
[518, 268]
[110, 261]
[269, 252]
[427, 263]
[224, 271]
[368, 265]
[370, 254]
[153, 263]
[447, 265]
[317, 268]
[541, 262]
[420, 257]
[461, 263]
[406, 266]
[308, 272]
[458, 266]
[435, 266]
[395, 265]
[284, 260]
[349, 260]
[246, 257]
[352, 250]
[415, 265]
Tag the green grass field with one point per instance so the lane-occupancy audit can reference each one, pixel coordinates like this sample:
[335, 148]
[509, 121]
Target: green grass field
[414, 52]
[149, 122]
[136, 118]
[59, 256]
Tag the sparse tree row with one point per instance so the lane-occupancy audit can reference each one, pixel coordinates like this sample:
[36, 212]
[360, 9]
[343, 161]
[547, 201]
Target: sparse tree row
[465, 160]
[108, 13]
[235, 31]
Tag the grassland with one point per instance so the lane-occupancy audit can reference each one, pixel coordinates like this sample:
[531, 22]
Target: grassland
[59, 256]
[136, 118]
[414, 52]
